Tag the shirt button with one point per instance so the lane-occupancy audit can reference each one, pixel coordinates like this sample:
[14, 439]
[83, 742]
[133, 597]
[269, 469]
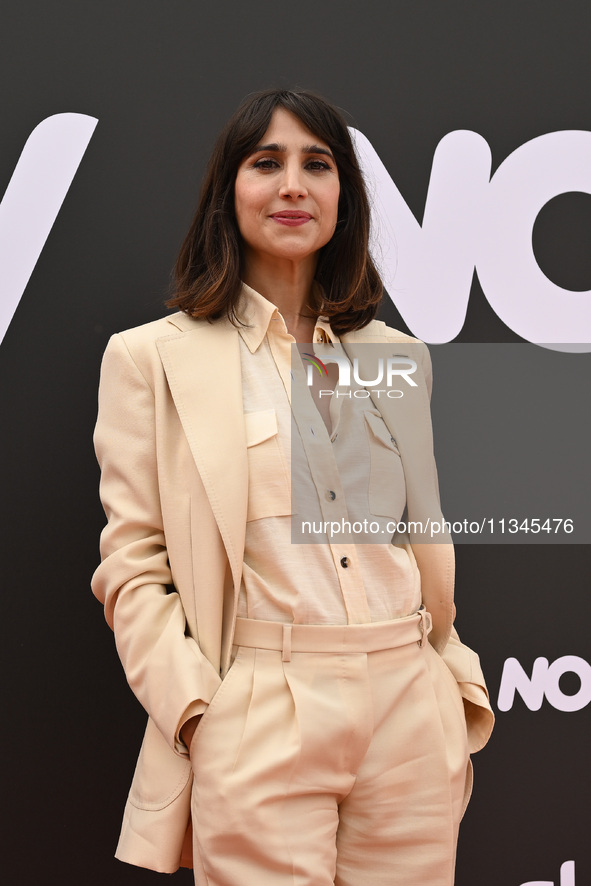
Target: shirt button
[344, 562]
[330, 495]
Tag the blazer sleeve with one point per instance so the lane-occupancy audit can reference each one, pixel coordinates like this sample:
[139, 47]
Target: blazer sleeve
[462, 661]
[164, 667]
[464, 664]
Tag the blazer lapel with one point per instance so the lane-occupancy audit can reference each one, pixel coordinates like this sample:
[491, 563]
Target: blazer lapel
[202, 365]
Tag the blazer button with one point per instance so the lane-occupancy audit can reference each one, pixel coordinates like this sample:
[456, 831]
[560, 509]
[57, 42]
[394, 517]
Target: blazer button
[344, 562]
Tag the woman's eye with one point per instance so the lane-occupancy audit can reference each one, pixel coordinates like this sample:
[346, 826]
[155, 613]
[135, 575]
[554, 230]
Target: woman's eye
[316, 165]
[265, 163]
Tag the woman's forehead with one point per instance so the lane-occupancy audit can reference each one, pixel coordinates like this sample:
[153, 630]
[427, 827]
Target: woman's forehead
[286, 128]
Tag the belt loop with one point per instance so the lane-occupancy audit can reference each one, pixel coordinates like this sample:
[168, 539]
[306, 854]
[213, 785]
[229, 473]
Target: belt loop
[425, 625]
[286, 646]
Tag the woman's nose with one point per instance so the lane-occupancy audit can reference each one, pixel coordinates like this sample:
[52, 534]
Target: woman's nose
[293, 184]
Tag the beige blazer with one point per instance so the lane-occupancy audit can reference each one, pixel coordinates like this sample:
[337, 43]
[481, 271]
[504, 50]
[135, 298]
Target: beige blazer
[170, 439]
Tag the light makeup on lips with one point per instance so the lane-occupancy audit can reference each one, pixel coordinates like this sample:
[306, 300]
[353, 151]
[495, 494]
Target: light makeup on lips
[291, 218]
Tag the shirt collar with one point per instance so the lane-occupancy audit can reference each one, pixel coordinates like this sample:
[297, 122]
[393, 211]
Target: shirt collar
[256, 313]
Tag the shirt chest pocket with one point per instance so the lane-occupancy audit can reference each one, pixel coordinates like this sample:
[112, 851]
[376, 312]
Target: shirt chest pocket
[387, 487]
[269, 488]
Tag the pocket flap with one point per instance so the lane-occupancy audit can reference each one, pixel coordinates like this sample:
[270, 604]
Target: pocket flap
[379, 429]
[260, 426]
[160, 775]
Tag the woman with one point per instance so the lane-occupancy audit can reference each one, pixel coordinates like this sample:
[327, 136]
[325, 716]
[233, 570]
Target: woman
[302, 726]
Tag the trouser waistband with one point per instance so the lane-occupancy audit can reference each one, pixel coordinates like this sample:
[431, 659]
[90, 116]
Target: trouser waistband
[288, 638]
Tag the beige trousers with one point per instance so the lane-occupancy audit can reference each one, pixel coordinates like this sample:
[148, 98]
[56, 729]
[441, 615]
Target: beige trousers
[330, 755]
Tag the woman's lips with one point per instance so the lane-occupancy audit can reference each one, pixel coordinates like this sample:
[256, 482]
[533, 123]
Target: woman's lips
[291, 219]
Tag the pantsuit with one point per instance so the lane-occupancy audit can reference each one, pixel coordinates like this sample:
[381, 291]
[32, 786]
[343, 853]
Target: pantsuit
[173, 453]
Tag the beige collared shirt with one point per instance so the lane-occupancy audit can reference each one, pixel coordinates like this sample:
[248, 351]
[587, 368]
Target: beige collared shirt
[351, 477]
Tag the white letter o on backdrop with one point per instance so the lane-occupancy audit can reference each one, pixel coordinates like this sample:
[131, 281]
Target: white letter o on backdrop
[514, 284]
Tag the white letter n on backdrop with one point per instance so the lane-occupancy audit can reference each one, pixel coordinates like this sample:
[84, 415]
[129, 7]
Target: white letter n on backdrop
[531, 689]
[428, 268]
[33, 198]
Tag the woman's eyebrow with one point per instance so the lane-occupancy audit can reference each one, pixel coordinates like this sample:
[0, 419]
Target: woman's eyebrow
[279, 148]
[316, 149]
[274, 146]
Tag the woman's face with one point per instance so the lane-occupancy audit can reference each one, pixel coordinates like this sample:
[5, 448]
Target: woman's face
[286, 193]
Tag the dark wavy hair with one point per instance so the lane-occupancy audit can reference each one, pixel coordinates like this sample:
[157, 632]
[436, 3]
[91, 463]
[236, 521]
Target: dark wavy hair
[207, 275]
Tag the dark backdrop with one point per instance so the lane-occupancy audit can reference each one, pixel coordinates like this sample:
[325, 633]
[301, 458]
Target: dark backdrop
[162, 77]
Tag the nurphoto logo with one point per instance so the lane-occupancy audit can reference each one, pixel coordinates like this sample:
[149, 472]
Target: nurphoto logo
[387, 370]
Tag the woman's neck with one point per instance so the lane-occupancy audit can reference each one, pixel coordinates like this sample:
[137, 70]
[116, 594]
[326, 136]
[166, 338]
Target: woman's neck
[288, 285]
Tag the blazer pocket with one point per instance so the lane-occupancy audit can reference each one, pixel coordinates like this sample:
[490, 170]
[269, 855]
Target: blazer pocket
[160, 775]
[387, 487]
[269, 487]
